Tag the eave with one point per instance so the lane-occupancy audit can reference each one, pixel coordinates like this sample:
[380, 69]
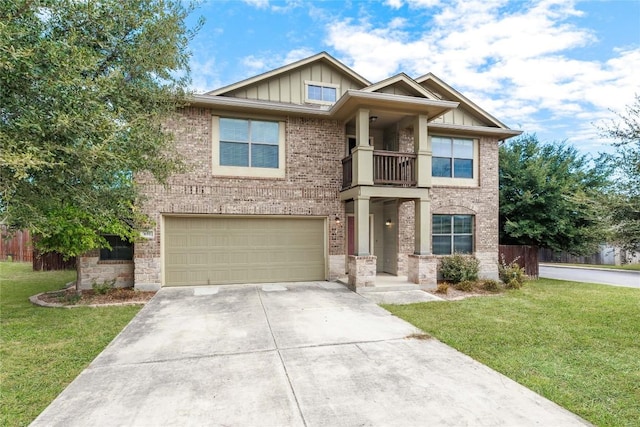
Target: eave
[500, 133]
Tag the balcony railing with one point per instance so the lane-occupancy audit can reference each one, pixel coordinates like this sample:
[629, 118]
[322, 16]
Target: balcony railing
[392, 168]
[389, 168]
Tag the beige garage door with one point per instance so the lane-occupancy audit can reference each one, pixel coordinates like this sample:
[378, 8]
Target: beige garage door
[204, 250]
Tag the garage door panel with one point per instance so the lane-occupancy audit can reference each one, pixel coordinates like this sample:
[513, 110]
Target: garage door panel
[200, 251]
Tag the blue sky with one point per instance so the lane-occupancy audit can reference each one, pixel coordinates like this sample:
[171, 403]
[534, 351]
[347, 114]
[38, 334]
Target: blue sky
[553, 67]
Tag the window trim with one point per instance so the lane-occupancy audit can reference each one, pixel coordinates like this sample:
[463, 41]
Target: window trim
[459, 182]
[453, 233]
[308, 100]
[246, 171]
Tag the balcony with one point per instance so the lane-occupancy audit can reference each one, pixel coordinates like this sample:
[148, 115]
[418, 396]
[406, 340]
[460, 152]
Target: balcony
[389, 168]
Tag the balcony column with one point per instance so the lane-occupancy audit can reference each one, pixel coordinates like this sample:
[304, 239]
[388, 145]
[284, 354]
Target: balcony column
[362, 154]
[422, 147]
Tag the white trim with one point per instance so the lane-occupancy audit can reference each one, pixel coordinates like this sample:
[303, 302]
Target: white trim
[459, 182]
[308, 100]
[241, 171]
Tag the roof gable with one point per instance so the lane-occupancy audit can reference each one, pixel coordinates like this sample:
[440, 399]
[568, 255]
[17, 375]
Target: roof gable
[322, 58]
[442, 90]
[401, 84]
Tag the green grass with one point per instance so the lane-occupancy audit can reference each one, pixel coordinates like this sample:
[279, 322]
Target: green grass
[628, 267]
[43, 349]
[577, 344]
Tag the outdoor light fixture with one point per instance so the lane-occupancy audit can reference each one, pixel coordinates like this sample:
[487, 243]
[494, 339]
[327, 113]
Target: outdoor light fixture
[373, 119]
[388, 222]
[337, 221]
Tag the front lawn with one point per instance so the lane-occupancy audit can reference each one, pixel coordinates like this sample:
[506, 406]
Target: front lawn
[574, 343]
[43, 349]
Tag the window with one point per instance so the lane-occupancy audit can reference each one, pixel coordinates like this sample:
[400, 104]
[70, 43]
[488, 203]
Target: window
[452, 157]
[452, 234]
[249, 143]
[121, 250]
[321, 93]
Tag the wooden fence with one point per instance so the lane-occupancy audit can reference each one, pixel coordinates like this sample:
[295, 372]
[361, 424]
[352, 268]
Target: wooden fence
[525, 256]
[52, 261]
[15, 246]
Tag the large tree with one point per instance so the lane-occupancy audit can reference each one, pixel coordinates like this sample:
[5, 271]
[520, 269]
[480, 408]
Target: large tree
[550, 196]
[624, 206]
[85, 86]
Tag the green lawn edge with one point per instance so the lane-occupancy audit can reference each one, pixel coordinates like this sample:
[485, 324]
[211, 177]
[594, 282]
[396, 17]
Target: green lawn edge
[574, 343]
[43, 349]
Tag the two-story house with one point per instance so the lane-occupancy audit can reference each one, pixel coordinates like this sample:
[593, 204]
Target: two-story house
[311, 172]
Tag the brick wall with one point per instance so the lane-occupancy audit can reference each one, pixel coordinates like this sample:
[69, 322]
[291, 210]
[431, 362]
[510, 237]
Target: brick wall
[92, 270]
[480, 201]
[314, 150]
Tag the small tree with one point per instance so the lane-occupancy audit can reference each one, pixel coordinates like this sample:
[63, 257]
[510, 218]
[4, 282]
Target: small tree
[550, 196]
[624, 201]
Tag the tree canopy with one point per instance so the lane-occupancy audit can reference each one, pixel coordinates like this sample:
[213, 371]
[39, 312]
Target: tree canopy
[85, 86]
[624, 204]
[550, 196]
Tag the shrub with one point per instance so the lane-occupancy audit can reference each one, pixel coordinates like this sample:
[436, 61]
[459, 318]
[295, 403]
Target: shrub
[457, 268]
[443, 288]
[465, 285]
[511, 274]
[491, 285]
[104, 287]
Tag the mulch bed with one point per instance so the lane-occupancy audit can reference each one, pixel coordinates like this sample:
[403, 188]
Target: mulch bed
[71, 297]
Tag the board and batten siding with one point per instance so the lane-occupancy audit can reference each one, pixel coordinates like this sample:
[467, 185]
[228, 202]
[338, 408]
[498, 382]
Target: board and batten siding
[290, 87]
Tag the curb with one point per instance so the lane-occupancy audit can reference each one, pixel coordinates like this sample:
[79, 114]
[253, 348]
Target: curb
[35, 300]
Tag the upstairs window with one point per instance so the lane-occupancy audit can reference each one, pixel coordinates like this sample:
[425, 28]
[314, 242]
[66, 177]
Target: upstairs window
[452, 234]
[249, 143]
[321, 93]
[121, 250]
[452, 157]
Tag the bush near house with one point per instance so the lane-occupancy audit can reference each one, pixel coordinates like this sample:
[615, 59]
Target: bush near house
[459, 268]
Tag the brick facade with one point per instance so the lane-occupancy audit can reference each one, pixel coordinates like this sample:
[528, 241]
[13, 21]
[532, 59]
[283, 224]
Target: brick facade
[314, 150]
[314, 146]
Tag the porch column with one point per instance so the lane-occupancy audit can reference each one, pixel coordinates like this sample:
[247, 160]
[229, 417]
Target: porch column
[422, 226]
[422, 147]
[422, 265]
[362, 265]
[362, 154]
[361, 232]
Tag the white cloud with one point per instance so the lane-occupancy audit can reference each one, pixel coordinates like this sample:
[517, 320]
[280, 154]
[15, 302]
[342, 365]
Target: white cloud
[514, 62]
[204, 75]
[260, 4]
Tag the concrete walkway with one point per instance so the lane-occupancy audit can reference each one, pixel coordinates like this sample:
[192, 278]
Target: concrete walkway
[308, 354]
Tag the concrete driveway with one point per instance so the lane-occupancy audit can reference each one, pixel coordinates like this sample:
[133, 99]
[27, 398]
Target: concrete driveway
[307, 354]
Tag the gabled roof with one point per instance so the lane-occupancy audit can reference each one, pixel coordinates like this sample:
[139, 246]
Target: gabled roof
[404, 81]
[320, 57]
[450, 93]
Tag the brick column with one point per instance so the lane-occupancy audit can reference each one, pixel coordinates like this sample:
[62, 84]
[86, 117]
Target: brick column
[362, 271]
[423, 270]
